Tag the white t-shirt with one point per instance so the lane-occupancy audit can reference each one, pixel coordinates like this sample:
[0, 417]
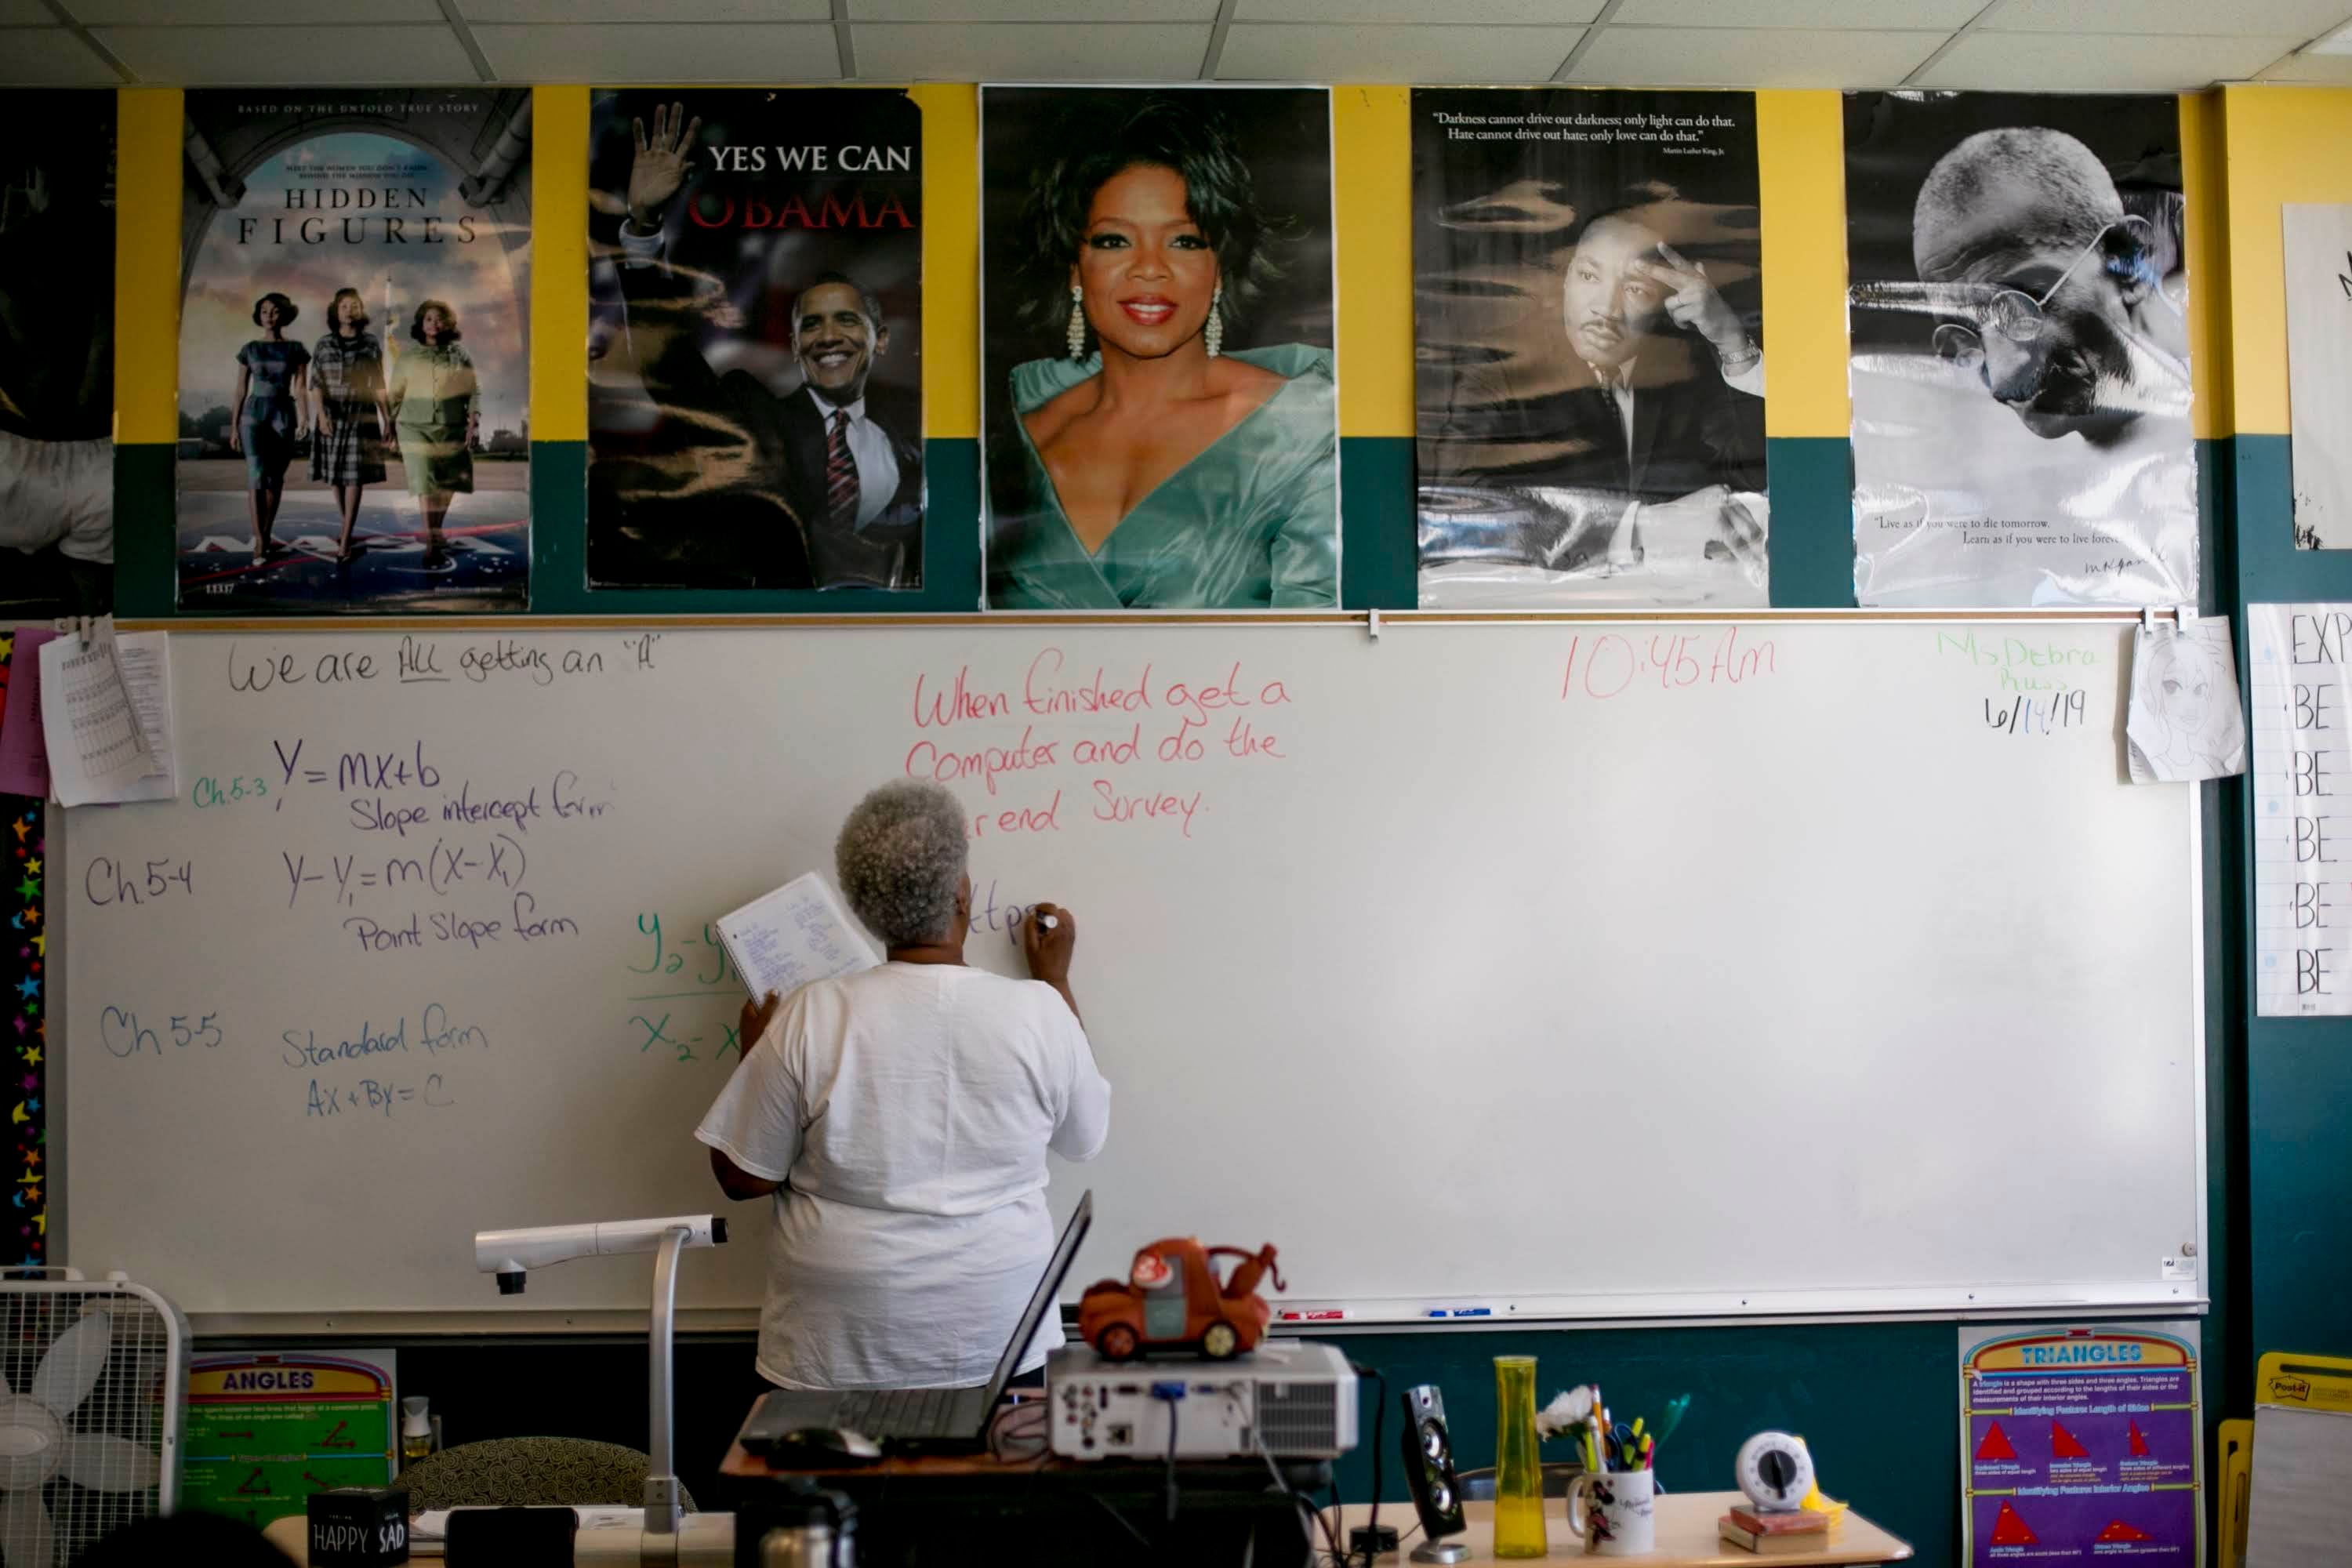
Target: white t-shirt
[909, 1109]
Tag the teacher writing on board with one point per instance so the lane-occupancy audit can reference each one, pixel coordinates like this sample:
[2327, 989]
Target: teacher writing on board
[900, 1119]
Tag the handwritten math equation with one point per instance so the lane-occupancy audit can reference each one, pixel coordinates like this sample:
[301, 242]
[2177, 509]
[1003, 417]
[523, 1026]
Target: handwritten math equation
[675, 971]
[382, 1068]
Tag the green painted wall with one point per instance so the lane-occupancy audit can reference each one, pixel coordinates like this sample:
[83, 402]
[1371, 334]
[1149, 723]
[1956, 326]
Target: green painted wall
[2298, 1072]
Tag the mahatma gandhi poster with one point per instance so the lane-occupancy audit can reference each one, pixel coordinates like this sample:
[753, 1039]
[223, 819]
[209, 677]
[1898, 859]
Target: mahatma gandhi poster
[355, 349]
[57, 355]
[2319, 371]
[1589, 348]
[1159, 404]
[755, 415]
[2018, 302]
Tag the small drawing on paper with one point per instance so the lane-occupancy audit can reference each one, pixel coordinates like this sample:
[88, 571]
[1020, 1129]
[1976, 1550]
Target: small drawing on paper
[2185, 723]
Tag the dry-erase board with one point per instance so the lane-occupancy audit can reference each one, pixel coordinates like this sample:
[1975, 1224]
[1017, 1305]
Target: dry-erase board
[1570, 970]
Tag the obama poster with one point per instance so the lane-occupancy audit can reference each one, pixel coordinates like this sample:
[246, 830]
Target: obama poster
[755, 380]
[2018, 303]
[1589, 348]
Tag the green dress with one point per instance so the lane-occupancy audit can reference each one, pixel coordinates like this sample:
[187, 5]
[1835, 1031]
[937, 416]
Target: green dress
[1252, 522]
[433, 395]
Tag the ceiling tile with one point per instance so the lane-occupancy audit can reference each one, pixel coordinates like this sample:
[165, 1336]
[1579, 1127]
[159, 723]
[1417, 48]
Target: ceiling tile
[243, 13]
[620, 52]
[2312, 68]
[1262, 51]
[568, 12]
[1882, 16]
[2030, 62]
[289, 57]
[1023, 51]
[51, 56]
[1547, 13]
[1033, 11]
[2238, 18]
[1750, 57]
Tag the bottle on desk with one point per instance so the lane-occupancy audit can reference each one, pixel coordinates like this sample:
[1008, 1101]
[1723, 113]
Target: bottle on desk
[1518, 1462]
[415, 1430]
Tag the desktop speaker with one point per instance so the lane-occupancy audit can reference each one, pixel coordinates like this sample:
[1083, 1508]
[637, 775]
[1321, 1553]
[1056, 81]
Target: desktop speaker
[1429, 1472]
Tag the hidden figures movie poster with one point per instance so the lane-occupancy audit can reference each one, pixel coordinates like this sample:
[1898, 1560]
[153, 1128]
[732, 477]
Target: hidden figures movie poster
[354, 351]
[755, 378]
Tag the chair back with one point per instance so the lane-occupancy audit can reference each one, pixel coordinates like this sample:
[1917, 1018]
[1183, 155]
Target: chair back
[509, 1472]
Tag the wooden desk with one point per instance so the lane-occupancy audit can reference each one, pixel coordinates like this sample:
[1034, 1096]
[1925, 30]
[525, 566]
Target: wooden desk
[1686, 1535]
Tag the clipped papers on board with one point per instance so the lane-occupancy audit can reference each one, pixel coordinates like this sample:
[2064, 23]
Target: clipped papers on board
[798, 933]
[106, 715]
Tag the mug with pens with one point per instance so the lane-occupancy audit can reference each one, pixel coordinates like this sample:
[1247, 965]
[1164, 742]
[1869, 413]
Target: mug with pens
[1613, 1503]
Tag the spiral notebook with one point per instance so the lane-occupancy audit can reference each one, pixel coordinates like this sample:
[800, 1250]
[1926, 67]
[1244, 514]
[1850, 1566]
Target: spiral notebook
[798, 933]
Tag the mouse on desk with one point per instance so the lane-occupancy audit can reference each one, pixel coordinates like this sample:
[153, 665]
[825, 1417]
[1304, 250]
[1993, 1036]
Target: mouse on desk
[824, 1449]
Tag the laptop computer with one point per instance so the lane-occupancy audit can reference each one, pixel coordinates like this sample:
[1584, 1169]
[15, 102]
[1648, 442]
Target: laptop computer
[935, 1420]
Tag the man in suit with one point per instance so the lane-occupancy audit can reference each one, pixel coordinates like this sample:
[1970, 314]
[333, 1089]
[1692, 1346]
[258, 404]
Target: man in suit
[1640, 437]
[840, 458]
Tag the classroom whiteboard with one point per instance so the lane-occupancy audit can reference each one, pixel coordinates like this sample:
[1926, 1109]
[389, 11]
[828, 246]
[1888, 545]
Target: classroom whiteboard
[1572, 970]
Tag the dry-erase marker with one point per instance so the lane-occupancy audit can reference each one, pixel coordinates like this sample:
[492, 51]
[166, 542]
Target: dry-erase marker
[1049, 921]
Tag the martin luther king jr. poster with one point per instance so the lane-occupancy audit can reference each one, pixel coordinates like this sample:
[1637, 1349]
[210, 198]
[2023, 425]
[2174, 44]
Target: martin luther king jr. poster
[1589, 348]
[2018, 303]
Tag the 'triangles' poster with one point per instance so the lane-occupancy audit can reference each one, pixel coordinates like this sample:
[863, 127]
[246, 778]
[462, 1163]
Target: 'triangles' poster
[355, 349]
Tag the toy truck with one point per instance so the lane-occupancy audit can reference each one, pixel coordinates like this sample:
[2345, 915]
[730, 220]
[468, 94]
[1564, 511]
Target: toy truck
[1172, 1301]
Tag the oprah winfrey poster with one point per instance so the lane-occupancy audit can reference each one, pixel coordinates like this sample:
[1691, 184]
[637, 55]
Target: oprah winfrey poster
[1159, 401]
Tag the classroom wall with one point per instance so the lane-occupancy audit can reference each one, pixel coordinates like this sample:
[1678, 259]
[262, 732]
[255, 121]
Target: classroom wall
[2281, 146]
[1878, 1401]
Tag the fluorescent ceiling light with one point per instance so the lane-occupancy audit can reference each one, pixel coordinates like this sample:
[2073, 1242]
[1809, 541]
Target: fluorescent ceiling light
[2338, 42]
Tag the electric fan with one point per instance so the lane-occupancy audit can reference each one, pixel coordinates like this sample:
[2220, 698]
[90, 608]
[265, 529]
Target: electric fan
[93, 1388]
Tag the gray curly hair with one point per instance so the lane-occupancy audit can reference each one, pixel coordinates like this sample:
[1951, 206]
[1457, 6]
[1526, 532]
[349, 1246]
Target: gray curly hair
[899, 858]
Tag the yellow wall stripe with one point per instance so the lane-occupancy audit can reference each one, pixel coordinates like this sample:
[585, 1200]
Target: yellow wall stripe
[558, 264]
[148, 138]
[1372, 152]
[951, 258]
[2282, 146]
[1801, 170]
[2204, 182]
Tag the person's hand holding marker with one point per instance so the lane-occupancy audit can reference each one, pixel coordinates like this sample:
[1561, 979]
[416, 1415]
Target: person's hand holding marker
[1049, 936]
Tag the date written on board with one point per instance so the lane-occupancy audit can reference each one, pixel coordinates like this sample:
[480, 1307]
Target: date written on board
[1612, 662]
[107, 881]
[2023, 715]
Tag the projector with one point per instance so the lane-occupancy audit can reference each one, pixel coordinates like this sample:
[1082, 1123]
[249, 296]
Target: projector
[1294, 1399]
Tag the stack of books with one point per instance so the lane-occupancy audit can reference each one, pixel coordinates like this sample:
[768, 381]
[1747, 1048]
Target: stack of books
[1752, 1529]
